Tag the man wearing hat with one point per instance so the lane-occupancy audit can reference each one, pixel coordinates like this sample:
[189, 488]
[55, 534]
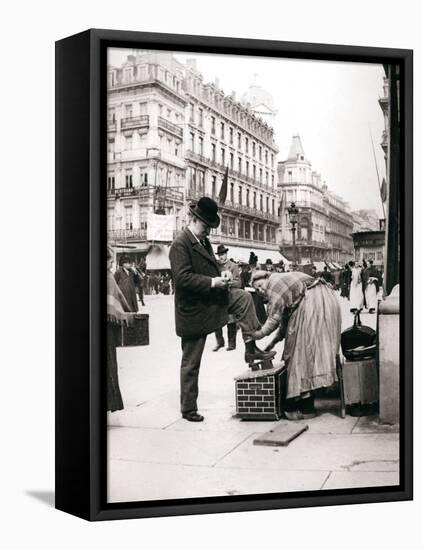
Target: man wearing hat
[127, 281]
[269, 265]
[231, 270]
[203, 300]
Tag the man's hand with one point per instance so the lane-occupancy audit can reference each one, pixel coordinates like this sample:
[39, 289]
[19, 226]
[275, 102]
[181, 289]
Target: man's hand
[220, 282]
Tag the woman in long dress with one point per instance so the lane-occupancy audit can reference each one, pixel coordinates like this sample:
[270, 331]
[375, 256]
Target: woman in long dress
[307, 313]
[356, 289]
[117, 306]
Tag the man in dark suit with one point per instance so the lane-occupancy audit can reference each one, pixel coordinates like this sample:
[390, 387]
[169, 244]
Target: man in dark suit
[203, 301]
[127, 281]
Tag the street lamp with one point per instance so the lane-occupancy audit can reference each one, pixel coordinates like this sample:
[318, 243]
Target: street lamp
[293, 219]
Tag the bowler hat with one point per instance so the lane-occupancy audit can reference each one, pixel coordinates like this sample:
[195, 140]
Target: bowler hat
[124, 260]
[206, 210]
[221, 249]
[269, 261]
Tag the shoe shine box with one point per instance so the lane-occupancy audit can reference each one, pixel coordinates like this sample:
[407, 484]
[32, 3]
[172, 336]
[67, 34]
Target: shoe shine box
[260, 393]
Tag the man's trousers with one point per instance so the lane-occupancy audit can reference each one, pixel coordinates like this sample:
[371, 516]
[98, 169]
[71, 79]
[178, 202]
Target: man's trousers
[241, 306]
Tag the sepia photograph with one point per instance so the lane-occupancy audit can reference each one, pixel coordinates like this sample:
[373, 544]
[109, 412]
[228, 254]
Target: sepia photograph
[253, 270]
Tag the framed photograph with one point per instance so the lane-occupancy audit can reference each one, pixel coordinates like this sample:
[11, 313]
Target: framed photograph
[234, 226]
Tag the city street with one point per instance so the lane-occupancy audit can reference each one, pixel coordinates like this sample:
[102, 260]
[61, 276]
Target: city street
[155, 454]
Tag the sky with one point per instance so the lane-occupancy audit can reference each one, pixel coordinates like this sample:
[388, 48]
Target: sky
[333, 106]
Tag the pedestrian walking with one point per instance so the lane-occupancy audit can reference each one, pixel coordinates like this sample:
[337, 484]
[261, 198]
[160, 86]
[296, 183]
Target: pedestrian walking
[126, 279]
[231, 270]
[140, 282]
[356, 288]
[371, 286]
[307, 313]
[346, 282]
[203, 301]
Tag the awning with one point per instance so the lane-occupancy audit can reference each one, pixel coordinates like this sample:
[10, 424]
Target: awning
[242, 254]
[158, 257]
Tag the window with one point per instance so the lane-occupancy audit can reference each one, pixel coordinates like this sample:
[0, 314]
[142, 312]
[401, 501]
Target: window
[213, 125]
[222, 130]
[128, 110]
[273, 180]
[200, 117]
[240, 195]
[200, 145]
[222, 155]
[254, 149]
[231, 226]
[213, 186]
[160, 109]
[200, 175]
[111, 182]
[239, 164]
[143, 108]
[169, 113]
[224, 225]
[111, 145]
[273, 207]
[255, 200]
[247, 168]
[246, 145]
[248, 197]
[247, 232]
[260, 152]
[239, 140]
[192, 141]
[261, 203]
[254, 171]
[260, 232]
[128, 218]
[110, 219]
[213, 152]
[266, 156]
[191, 112]
[231, 136]
[231, 161]
[272, 160]
[267, 204]
[261, 175]
[232, 193]
[267, 178]
[128, 142]
[128, 179]
[111, 115]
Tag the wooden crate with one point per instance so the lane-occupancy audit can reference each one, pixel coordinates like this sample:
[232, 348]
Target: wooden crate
[361, 381]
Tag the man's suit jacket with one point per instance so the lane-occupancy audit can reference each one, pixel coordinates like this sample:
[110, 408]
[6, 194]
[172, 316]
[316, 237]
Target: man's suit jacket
[127, 285]
[199, 308]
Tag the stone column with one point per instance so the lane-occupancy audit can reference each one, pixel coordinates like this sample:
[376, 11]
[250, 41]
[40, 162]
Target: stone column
[389, 364]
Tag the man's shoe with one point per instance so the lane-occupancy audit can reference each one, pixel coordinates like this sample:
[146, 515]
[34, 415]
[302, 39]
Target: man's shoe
[193, 417]
[230, 347]
[259, 355]
[219, 346]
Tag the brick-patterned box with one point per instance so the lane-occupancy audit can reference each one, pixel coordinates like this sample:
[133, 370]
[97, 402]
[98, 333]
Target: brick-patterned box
[260, 394]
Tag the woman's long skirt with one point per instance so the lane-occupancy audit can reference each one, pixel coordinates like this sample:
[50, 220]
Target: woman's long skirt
[114, 397]
[356, 296]
[312, 341]
[371, 296]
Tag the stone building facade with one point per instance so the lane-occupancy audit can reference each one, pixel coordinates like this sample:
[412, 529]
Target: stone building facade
[170, 139]
[324, 224]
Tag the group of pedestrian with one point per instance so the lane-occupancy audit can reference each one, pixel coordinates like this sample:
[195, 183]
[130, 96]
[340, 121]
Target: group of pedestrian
[360, 285]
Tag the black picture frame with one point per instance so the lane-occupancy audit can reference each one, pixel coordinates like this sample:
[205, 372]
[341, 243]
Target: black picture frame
[80, 285]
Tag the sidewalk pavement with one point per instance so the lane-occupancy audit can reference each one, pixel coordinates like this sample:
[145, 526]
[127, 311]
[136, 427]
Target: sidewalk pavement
[155, 454]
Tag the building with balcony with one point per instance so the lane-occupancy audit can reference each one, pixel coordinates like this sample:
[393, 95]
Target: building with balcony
[324, 223]
[171, 138]
[225, 133]
[145, 139]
